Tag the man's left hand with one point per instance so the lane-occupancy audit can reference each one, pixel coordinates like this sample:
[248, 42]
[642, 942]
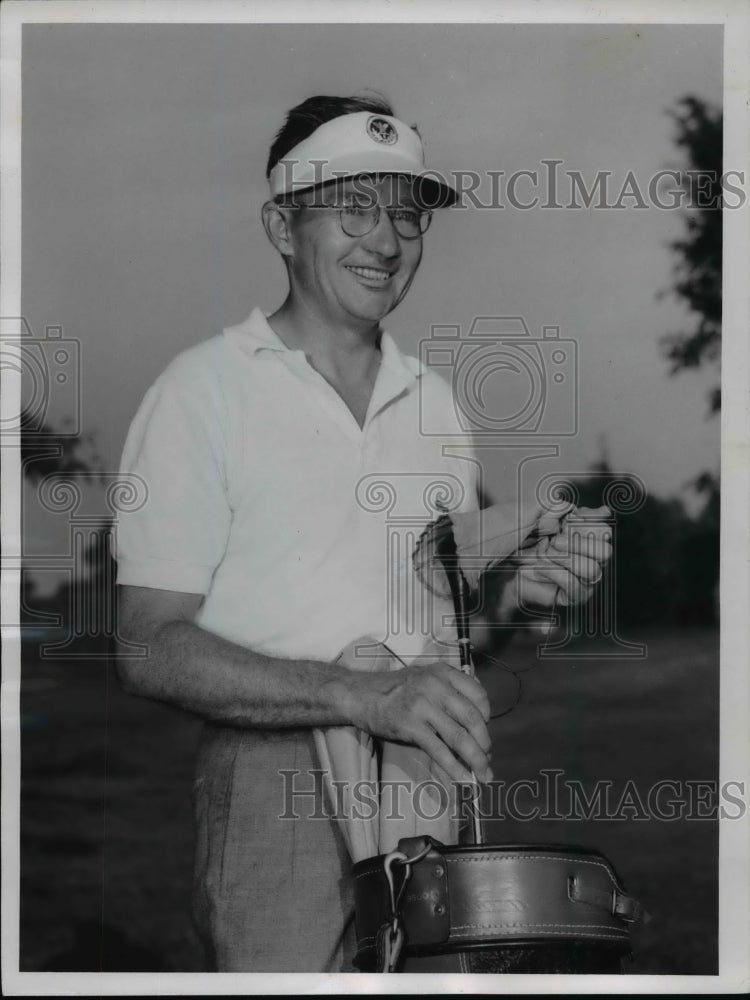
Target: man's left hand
[561, 568]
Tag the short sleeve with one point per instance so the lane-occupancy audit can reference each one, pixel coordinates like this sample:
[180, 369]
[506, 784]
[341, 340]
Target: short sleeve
[439, 411]
[176, 446]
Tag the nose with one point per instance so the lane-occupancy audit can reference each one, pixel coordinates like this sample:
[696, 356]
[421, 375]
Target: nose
[383, 238]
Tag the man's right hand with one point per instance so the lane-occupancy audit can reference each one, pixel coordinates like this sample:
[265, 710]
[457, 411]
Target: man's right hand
[432, 706]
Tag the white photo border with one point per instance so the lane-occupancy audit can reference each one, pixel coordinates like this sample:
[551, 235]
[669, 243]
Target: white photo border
[735, 427]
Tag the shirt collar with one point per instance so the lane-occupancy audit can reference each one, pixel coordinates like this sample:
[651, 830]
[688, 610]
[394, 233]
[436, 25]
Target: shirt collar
[255, 334]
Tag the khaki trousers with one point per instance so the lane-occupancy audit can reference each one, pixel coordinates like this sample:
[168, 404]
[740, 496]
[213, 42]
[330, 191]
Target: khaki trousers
[270, 894]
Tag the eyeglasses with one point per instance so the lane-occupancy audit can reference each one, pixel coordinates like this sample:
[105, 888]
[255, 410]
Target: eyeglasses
[359, 220]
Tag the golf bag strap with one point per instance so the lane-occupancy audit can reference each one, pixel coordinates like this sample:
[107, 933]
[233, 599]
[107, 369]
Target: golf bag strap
[457, 897]
[615, 902]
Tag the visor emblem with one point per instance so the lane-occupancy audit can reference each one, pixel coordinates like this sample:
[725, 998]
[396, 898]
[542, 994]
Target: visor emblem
[381, 130]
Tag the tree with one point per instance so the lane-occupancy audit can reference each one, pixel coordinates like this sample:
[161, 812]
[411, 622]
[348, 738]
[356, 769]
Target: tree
[45, 451]
[697, 272]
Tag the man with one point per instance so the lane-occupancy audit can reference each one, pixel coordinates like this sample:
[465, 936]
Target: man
[258, 556]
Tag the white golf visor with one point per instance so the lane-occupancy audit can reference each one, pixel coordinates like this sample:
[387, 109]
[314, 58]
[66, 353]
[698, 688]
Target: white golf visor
[360, 143]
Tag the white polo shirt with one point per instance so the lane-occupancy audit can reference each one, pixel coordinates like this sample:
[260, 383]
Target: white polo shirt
[266, 496]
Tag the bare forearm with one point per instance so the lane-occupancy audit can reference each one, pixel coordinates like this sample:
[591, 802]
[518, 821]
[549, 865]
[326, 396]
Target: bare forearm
[431, 705]
[199, 671]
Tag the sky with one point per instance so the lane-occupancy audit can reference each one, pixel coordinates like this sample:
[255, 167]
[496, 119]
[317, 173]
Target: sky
[144, 150]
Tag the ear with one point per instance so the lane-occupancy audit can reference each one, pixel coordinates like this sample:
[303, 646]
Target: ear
[276, 222]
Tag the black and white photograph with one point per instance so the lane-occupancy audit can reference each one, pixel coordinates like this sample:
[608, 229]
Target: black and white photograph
[375, 498]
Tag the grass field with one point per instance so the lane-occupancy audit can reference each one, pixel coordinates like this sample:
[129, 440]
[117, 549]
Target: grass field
[106, 809]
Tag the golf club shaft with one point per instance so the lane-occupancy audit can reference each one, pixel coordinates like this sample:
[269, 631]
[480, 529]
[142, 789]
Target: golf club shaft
[467, 667]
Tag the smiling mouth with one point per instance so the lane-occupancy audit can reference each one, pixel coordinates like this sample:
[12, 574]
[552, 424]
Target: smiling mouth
[370, 273]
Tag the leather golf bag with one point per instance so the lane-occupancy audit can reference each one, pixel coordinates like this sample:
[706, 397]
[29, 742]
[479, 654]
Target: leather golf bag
[491, 908]
[487, 908]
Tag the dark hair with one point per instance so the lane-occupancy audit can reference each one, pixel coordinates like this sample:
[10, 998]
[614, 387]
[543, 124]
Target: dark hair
[303, 120]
